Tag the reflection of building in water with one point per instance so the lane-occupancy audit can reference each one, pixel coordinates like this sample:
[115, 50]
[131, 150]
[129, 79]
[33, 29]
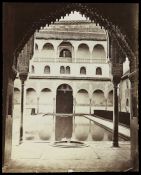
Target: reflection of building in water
[72, 55]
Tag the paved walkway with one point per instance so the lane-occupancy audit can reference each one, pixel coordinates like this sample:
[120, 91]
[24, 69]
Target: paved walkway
[99, 156]
[109, 124]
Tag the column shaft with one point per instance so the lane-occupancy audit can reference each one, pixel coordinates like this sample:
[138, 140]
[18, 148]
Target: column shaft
[54, 117]
[37, 105]
[22, 110]
[90, 105]
[115, 117]
[73, 132]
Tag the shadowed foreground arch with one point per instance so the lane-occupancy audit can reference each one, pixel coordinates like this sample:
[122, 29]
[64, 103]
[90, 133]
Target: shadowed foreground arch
[14, 39]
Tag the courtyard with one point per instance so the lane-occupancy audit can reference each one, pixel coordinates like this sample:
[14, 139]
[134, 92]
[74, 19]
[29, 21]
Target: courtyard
[98, 156]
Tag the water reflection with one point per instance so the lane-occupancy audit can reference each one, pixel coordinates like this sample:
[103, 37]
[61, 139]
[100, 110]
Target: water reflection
[80, 129]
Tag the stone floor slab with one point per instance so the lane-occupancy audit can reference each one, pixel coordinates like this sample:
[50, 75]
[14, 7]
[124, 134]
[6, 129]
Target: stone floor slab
[97, 157]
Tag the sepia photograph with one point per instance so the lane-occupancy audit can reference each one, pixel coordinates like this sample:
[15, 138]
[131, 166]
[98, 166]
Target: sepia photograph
[70, 87]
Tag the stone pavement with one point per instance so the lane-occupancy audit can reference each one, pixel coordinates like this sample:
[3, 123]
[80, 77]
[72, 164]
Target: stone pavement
[99, 156]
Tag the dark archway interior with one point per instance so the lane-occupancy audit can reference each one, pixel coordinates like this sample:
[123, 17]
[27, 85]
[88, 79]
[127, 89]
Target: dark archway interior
[65, 53]
[64, 104]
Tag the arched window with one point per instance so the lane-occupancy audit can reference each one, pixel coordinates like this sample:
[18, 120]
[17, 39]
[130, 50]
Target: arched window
[32, 69]
[62, 70]
[65, 50]
[67, 70]
[48, 46]
[83, 70]
[98, 71]
[36, 46]
[65, 53]
[127, 102]
[47, 70]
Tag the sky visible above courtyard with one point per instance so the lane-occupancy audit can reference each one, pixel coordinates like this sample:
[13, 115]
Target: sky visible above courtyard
[73, 17]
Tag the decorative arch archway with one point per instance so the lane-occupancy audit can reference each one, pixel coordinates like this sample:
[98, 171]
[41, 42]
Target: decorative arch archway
[99, 52]
[114, 31]
[17, 96]
[64, 99]
[48, 46]
[83, 51]
[48, 50]
[68, 70]
[94, 15]
[66, 51]
[82, 97]
[83, 70]
[46, 96]
[47, 69]
[64, 104]
[31, 96]
[62, 70]
[110, 98]
[98, 98]
[98, 71]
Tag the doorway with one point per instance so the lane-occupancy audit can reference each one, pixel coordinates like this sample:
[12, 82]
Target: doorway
[64, 105]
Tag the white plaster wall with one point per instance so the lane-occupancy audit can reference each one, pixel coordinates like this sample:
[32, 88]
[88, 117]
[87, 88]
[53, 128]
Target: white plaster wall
[89, 85]
[126, 65]
[124, 95]
[74, 69]
[48, 106]
[98, 98]
[82, 98]
[17, 96]
[31, 97]
[110, 98]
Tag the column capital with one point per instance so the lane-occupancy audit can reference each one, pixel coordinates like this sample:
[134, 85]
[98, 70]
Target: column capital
[23, 76]
[116, 80]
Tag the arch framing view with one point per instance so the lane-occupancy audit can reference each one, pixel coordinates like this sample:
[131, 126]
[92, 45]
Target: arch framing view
[68, 75]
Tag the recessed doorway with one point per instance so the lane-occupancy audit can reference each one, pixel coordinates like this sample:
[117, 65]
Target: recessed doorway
[64, 105]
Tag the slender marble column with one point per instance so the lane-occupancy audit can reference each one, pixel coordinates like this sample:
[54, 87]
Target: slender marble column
[115, 116]
[54, 117]
[38, 105]
[73, 132]
[90, 105]
[23, 77]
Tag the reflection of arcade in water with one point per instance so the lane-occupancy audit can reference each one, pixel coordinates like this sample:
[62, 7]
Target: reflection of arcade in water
[65, 125]
[64, 105]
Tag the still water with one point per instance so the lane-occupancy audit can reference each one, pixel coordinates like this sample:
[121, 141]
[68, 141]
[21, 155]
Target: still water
[59, 128]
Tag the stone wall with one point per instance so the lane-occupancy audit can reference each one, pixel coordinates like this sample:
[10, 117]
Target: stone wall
[44, 100]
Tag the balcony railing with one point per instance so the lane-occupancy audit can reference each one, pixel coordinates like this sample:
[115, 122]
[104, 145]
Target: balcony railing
[85, 60]
[69, 60]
